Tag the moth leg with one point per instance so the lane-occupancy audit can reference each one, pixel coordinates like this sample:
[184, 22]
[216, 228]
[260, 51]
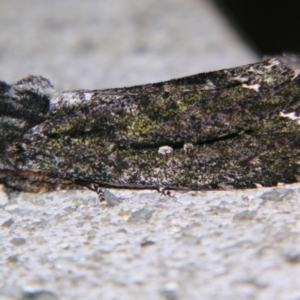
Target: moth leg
[164, 191]
[105, 196]
[96, 188]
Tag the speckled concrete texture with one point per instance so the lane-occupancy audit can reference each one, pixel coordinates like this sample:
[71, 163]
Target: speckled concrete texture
[141, 244]
[195, 245]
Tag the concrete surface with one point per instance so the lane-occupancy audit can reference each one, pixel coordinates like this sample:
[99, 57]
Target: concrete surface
[196, 245]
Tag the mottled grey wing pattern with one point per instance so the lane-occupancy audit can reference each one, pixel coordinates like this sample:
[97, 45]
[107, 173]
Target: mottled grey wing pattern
[236, 128]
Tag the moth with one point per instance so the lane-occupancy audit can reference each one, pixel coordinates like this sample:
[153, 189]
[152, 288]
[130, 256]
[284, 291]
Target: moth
[233, 128]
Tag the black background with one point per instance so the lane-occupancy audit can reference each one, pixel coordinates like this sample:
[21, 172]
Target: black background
[270, 27]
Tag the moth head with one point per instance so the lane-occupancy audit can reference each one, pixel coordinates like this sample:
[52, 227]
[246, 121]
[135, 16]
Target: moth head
[23, 105]
[38, 85]
[33, 93]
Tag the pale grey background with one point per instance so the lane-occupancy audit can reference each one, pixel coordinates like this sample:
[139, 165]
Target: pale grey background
[109, 43]
[196, 245]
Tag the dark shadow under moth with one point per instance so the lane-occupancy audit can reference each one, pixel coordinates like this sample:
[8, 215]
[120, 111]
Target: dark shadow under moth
[235, 128]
